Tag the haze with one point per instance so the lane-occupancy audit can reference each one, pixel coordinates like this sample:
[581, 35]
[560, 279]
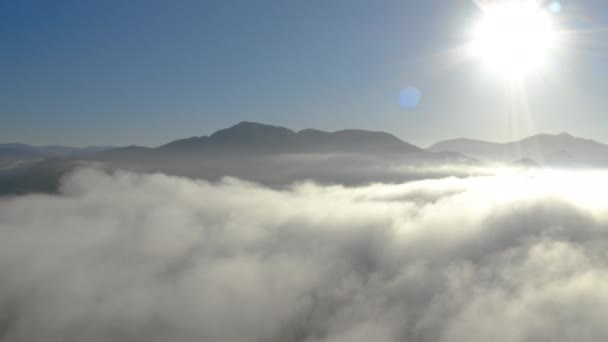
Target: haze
[303, 171]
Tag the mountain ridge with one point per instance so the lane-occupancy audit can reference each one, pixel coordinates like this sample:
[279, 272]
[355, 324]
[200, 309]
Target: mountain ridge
[263, 138]
[562, 148]
[271, 155]
[278, 156]
[53, 149]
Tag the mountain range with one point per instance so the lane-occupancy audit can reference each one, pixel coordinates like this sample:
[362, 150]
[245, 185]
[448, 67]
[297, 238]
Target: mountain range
[16, 152]
[278, 156]
[546, 149]
[262, 153]
[251, 137]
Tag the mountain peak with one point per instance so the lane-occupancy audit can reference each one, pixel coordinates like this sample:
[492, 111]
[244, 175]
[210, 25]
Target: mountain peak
[248, 137]
[561, 138]
[249, 124]
[243, 125]
[247, 132]
[547, 135]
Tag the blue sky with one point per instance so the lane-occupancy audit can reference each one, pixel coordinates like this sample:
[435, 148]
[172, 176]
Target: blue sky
[146, 72]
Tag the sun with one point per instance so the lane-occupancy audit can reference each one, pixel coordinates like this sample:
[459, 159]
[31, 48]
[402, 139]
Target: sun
[513, 38]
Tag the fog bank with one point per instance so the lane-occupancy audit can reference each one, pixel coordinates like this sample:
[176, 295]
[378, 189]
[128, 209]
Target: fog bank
[517, 256]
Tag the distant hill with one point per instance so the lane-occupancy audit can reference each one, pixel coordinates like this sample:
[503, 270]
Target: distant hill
[14, 153]
[262, 153]
[251, 137]
[54, 150]
[547, 149]
[269, 154]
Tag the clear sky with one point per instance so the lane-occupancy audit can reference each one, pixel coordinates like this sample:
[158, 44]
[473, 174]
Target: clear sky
[146, 72]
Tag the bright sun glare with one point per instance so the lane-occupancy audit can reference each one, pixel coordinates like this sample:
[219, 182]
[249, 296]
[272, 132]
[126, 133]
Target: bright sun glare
[513, 38]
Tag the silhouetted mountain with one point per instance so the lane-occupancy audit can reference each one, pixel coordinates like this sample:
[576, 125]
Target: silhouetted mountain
[121, 152]
[267, 154]
[353, 140]
[54, 149]
[254, 135]
[560, 149]
[250, 137]
[12, 154]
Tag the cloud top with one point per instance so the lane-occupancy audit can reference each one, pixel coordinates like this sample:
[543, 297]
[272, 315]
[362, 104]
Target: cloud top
[517, 256]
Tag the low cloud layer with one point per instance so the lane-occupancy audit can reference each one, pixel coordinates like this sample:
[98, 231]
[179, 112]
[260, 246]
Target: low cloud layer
[518, 256]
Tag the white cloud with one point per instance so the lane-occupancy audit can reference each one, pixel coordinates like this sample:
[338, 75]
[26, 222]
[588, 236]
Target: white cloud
[130, 257]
